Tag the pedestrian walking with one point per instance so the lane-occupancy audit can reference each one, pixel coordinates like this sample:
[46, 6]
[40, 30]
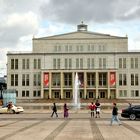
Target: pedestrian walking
[9, 107]
[130, 104]
[66, 113]
[115, 115]
[98, 108]
[54, 109]
[92, 109]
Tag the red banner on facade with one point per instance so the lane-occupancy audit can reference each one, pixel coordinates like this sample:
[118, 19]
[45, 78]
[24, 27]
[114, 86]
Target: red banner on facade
[46, 79]
[112, 78]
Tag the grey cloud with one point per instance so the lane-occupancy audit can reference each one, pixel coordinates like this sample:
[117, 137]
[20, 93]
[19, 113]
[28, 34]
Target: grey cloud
[101, 11]
[11, 6]
[9, 36]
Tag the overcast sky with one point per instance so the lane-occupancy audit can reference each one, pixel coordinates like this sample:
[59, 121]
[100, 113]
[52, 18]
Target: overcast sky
[21, 19]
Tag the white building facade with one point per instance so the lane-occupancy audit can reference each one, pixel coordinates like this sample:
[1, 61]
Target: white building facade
[105, 67]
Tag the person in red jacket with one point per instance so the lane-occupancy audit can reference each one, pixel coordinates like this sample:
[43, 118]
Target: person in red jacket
[92, 108]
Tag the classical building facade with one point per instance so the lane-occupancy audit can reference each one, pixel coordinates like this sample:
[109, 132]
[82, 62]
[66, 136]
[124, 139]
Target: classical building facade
[105, 67]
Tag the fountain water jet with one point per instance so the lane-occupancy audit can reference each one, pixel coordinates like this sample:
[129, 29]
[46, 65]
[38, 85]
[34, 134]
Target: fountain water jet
[76, 92]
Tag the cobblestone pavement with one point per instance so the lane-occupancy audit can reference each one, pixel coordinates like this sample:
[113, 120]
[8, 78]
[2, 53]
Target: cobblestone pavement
[79, 126]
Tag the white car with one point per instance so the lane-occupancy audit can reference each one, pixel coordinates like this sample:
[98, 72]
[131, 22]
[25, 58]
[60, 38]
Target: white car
[14, 109]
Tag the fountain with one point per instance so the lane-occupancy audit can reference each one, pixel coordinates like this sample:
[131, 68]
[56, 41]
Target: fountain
[76, 92]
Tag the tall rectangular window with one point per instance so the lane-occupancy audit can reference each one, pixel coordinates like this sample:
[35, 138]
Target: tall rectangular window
[102, 79]
[77, 48]
[37, 79]
[58, 63]
[67, 94]
[56, 94]
[66, 63]
[92, 48]
[54, 63]
[81, 48]
[12, 79]
[12, 63]
[92, 63]
[36, 93]
[89, 48]
[16, 79]
[56, 79]
[70, 48]
[70, 63]
[25, 93]
[23, 63]
[135, 93]
[16, 63]
[122, 63]
[28, 63]
[37, 63]
[77, 63]
[102, 63]
[134, 63]
[25, 80]
[81, 63]
[122, 80]
[123, 93]
[100, 48]
[59, 48]
[68, 79]
[134, 80]
[91, 79]
[66, 48]
[88, 63]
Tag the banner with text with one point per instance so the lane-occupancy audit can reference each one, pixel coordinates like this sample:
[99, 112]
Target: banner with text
[46, 79]
[112, 78]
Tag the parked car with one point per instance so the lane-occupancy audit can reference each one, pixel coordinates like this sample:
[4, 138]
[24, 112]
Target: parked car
[14, 109]
[132, 112]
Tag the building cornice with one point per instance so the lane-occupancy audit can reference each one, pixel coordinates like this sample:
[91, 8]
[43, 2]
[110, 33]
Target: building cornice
[72, 53]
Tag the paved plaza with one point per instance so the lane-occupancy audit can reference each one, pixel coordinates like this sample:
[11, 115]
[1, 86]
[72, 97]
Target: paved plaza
[33, 125]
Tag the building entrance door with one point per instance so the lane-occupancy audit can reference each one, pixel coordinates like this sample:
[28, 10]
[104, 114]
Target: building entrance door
[102, 94]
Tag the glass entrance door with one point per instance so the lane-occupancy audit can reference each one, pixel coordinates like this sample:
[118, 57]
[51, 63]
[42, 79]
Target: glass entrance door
[102, 94]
